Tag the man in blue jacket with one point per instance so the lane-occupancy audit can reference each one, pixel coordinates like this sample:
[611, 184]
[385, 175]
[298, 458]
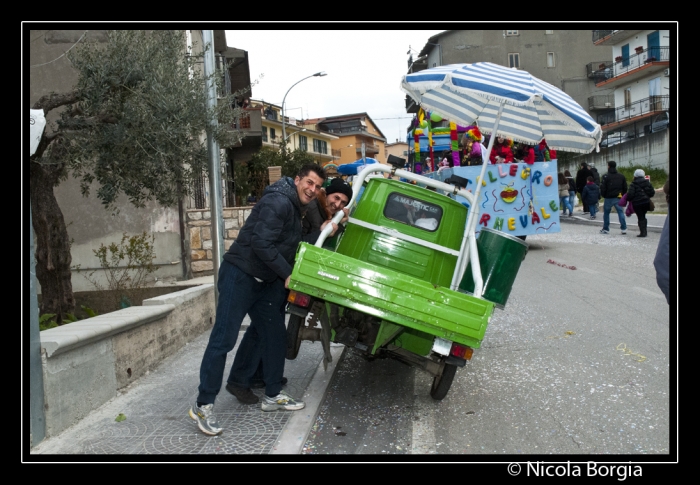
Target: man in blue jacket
[253, 279]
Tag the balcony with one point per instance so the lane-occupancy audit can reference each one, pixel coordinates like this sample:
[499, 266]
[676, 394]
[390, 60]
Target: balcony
[601, 102]
[633, 112]
[636, 66]
[610, 37]
[347, 131]
[250, 122]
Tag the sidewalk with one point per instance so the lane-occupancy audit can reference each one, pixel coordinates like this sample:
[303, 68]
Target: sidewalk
[157, 422]
[655, 222]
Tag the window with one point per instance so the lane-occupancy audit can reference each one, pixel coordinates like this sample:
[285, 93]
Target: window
[550, 59]
[272, 134]
[628, 98]
[320, 146]
[548, 32]
[511, 32]
[417, 213]
[303, 144]
[264, 133]
[514, 60]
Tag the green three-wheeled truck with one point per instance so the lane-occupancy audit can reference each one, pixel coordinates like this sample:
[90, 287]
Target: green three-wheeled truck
[407, 278]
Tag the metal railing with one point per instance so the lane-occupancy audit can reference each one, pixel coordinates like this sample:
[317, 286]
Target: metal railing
[601, 34]
[608, 70]
[638, 108]
[601, 101]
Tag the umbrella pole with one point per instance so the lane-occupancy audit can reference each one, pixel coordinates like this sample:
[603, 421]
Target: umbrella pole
[470, 227]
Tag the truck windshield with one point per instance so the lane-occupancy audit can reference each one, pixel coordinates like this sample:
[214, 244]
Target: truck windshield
[411, 211]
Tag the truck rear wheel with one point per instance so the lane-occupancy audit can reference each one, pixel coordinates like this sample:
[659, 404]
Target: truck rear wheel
[294, 335]
[442, 383]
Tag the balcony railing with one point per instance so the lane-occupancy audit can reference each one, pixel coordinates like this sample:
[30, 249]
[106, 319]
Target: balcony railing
[601, 34]
[601, 101]
[608, 70]
[651, 104]
[353, 129]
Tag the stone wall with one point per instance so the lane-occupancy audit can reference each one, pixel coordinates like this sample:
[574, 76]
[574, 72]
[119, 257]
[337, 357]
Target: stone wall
[198, 225]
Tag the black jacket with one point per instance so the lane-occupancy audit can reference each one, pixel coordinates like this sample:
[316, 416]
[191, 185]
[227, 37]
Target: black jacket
[582, 178]
[640, 190]
[596, 176]
[267, 242]
[613, 184]
[572, 184]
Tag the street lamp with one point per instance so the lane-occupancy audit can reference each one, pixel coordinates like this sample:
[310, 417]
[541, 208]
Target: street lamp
[318, 74]
[292, 134]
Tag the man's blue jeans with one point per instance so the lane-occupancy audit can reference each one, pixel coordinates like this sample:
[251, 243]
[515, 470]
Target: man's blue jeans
[241, 294]
[607, 207]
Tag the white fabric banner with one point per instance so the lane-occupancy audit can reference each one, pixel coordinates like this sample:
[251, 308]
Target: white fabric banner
[37, 122]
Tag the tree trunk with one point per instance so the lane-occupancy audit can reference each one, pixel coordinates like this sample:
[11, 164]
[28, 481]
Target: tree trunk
[53, 257]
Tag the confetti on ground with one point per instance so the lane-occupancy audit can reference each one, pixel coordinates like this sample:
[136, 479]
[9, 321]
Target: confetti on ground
[551, 261]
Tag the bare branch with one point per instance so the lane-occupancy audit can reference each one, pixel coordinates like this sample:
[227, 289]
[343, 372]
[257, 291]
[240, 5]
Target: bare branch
[52, 101]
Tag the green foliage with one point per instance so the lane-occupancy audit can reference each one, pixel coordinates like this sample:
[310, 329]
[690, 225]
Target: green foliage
[657, 176]
[88, 311]
[252, 177]
[46, 321]
[126, 266]
[137, 127]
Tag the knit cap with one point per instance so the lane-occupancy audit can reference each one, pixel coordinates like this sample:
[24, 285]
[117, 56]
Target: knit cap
[639, 173]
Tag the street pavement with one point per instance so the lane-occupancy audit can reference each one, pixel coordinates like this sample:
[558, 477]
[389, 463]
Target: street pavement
[156, 406]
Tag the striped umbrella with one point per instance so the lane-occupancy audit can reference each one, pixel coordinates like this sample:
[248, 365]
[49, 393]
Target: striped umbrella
[529, 108]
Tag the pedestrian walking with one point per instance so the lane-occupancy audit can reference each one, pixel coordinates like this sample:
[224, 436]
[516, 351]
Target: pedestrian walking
[612, 187]
[663, 251]
[639, 194]
[572, 188]
[581, 181]
[591, 196]
[564, 194]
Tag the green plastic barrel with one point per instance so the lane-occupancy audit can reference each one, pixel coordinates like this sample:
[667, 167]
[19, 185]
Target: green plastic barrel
[500, 256]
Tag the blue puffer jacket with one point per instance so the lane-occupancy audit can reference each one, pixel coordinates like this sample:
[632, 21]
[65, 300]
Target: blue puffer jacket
[267, 243]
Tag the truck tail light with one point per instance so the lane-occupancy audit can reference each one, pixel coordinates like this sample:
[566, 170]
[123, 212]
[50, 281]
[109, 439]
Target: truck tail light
[299, 299]
[461, 351]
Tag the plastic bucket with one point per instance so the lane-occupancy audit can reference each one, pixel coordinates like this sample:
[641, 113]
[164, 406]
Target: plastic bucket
[500, 256]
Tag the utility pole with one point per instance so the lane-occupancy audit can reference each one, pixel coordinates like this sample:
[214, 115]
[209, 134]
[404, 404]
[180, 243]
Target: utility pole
[217, 214]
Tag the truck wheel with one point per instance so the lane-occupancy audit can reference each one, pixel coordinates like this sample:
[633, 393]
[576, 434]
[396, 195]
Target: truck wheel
[294, 335]
[442, 383]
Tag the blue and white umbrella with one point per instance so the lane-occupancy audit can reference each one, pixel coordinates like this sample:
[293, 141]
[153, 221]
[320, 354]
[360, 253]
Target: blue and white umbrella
[352, 167]
[529, 108]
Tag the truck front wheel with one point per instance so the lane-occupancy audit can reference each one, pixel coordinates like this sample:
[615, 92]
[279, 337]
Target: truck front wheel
[442, 383]
[294, 335]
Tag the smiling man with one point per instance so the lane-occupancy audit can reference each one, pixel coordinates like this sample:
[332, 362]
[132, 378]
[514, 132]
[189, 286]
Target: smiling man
[253, 278]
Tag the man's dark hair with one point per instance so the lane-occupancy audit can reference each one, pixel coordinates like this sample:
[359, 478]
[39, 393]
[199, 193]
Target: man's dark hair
[611, 163]
[311, 167]
[589, 178]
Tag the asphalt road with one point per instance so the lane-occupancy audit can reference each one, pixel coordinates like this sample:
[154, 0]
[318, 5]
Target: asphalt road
[578, 363]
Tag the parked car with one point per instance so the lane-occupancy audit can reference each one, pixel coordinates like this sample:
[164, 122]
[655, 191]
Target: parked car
[659, 122]
[615, 138]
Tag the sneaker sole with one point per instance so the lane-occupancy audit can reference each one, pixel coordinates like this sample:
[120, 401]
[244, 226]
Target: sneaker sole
[203, 430]
[280, 407]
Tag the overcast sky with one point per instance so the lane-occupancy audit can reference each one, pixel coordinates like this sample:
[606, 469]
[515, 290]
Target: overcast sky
[364, 69]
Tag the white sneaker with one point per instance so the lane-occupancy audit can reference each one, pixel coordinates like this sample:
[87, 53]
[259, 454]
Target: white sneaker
[623, 231]
[281, 401]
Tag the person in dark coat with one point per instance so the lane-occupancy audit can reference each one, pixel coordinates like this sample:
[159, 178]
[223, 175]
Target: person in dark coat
[581, 181]
[253, 280]
[663, 252]
[639, 193]
[591, 195]
[613, 186]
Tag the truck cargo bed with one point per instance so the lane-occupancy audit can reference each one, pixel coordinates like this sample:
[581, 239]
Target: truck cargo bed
[390, 295]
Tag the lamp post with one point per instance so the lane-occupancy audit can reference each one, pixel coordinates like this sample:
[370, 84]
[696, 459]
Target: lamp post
[292, 134]
[318, 74]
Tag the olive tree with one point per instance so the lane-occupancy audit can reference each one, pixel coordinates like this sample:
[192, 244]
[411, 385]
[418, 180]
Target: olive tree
[134, 125]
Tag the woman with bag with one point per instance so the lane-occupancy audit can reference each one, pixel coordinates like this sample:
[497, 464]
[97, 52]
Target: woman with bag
[572, 188]
[564, 194]
[639, 193]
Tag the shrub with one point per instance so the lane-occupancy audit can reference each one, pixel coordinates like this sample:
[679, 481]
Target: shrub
[126, 266]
